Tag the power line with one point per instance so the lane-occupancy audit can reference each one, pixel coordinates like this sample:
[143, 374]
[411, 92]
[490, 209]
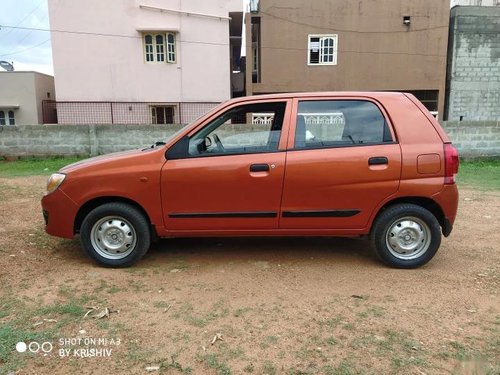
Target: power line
[69, 32]
[329, 28]
[360, 52]
[103, 34]
[221, 44]
[25, 17]
[29, 33]
[24, 50]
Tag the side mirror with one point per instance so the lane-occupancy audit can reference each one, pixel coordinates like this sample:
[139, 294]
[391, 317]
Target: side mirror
[208, 142]
[203, 145]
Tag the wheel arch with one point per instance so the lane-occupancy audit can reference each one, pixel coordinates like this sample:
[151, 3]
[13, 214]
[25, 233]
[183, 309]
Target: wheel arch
[424, 202]
[96, 202]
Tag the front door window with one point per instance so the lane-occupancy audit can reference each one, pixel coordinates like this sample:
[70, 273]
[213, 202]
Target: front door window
[251, 128]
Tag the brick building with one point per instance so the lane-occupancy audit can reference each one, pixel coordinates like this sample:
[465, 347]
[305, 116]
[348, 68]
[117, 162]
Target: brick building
[344, 45]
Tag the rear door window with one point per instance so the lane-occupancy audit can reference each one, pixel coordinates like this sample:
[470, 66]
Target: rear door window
[339, 123]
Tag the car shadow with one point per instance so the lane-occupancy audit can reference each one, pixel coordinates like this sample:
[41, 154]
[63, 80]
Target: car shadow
[275, 249]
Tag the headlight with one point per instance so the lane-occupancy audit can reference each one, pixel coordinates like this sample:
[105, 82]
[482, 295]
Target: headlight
[54, 182]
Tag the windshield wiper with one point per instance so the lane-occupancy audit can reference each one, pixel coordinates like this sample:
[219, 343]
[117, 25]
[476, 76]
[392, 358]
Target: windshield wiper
[156, 144]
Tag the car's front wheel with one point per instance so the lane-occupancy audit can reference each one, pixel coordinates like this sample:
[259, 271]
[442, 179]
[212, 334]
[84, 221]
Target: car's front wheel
[115, 234]
[406, 236]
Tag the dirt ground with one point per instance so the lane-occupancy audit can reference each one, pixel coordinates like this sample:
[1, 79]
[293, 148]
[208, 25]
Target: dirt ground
[274, 306]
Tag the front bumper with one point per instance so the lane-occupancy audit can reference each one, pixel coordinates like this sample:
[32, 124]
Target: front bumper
[59, 213]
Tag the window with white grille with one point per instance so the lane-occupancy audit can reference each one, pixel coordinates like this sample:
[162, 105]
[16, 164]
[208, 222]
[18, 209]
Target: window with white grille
[263, 118]
[322, 50]
[159, 47]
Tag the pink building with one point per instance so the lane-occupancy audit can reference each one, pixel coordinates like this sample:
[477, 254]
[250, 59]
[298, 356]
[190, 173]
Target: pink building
[163, 52]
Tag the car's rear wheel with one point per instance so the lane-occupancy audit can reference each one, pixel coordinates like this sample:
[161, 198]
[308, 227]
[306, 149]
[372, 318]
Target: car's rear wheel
[406, 236]
[115, 234]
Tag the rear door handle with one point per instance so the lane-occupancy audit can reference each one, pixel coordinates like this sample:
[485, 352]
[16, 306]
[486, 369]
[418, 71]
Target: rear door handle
[378, 160]
[259, 168]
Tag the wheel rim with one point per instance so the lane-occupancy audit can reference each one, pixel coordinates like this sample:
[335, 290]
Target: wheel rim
[408, 238]
[113, 237]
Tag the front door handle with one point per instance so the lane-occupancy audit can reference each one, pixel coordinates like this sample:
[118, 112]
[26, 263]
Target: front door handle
[378, 160]
[259, 168]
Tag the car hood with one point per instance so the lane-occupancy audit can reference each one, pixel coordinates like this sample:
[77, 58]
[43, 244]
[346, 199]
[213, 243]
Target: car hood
[105, 159]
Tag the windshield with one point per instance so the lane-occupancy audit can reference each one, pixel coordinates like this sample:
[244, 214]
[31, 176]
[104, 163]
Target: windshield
[173, 135]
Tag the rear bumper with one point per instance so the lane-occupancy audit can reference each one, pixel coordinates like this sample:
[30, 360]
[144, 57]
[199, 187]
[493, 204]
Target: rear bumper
[447, 199]
[447, 227]
[59, 213]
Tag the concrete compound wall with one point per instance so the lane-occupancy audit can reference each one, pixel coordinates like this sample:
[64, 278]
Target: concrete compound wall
[41, 140]
[472, 138]
[473, 80]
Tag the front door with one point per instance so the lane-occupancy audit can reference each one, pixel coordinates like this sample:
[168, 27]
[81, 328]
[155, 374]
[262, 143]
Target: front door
[342, 163]
[228, 174]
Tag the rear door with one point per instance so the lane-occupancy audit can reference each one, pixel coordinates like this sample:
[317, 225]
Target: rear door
[342, 161]
[230, 174]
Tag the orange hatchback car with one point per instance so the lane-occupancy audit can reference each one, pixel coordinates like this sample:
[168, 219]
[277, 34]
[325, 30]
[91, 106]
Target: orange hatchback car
[307, 164]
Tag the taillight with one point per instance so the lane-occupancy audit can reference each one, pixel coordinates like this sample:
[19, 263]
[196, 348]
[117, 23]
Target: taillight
[450, 163]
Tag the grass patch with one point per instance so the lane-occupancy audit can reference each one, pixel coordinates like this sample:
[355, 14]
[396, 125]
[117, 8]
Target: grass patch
[331, 322]
[19, 326]
[268, 341]
[213, 361]
[175, 366]
[269, 368]
[105, 287]
[10, 335]
[35, 166]
[136, 285]
[161, 305]
[187, 313]
[343, 368]
[484, 174]
[240, 311]
[72, 308]
[373, 311]
[136, 354]
[250, 368]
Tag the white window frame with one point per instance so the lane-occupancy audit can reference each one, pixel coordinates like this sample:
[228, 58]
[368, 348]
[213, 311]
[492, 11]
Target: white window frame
[160, 48]
[148, 49]
[165, 52]
[322, 37]
[171, 49]
[6, 118]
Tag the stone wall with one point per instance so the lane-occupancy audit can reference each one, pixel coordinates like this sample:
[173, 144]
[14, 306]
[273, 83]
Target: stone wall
[44, 140]
[472, 138]
[473, 77]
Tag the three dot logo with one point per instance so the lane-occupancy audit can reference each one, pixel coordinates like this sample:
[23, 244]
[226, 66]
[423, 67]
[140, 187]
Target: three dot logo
[34, 347]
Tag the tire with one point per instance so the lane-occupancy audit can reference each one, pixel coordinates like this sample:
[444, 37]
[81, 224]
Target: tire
[406, 236]
[115, 234]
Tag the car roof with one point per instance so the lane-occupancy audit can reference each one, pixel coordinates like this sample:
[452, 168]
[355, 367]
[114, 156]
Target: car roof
[323, 94]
